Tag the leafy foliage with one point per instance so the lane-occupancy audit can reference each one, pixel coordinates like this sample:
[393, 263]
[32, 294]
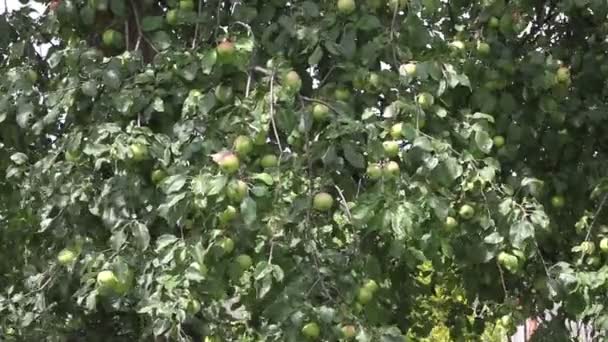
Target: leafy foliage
[212, 170]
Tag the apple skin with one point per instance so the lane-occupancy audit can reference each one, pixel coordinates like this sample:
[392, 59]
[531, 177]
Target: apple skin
[466, 212]
[450, 223]
[371, 285]
[227, 245]
[320, 112]
[425, 100]
[374, 171]
[364, 296]
[342, 94]
[293, 81]
[224, 94]
[244, 261]
[587, 247]
[563, 75]
[509, 261]
[225, 49]
[158, 176]
[322, 201]
[269, 161]
[229, 163]
[186, 5]
[483, 48]
[346, 6]
[311, 331]
[139, 152]
[66, 257]
[494, 22]
[499, 141]
[107, 280]
[392, 169]
[243, 145]
[558, 201]
[396, 131]
[348, 331]
[112, 38]
[236, 191]
[410, 69]
[228, 214]
[604, 245]
[391, 148]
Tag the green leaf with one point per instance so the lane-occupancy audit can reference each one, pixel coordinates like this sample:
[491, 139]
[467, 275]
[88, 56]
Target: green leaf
[264, 177]
[353, 156]
[161, 40]
[520, 232]
[152, 23]
[118, 7]
[493, 239]
[248, 210]
[25, 112]
[173, 183]
[483, 141]
[316, 56]
[423, 143]
[141, 235]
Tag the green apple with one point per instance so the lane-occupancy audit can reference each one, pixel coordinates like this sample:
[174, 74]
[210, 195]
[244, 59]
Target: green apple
[172, 17]
[558, 201]
[604, 245]
[139, 152]
[320, 112]
[396, 131]
[374, 171]
[236, 191]
[292, 81]
[466, 212]
[371, 285]
[72, 156]
[346, 6]
[311, 331]
[425, 100]
[193, 307]
[499, 141]
[244, 261]
[322, 201]
[450, 223]
[587, 247]
[563, 75]
[158, 176]
[186, 5]
[228, 214]
[364, 296]
[342, 94]
[374, 4]
[243, 145]
[269, 160]
[348, 331]
[32, 76]
[374, 80]
[483, 48]
[391, 148]
[229, 163]
[410, 69]
[112, 38]
[223, 93]
[391, 169]
[225, 50]
[457, 45]
[107, 280]
[493, 23]
[227, 245]
[509, 261]
[66, 257]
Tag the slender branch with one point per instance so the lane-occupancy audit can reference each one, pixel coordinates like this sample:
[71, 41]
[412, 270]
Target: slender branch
[597, 213]
[273, 122]
[309, 99]
[344, 202]
[502, 279]
[140, 33]
[198, 24]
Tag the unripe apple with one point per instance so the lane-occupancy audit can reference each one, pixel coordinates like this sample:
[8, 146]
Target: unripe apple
[225, 50]
[466, 212]
[364, 295]
[391, 169]
[396, 131]
[158, 176]
[425, 100]
[457, 45]
[112, 38]
[322, 201]
[229, 163]
[371, 285]
[348, 331]
[346, 6]
[509, 261]
[66, 257]
[342, 94]
[244, 261]
[186, 5]
[320, 112]
[391, 148]
[32, 76]
[410, 69]
[236, 191]
[311, 331]
[269, 160]
[292, 80]
[223, 93]
[228, 214]
[374, 171]
[72, 156]
[374, 80]
[604, 245]
[499, 141]
[107, 280]
[563, 75]
[450, 223]
[558, 201]
[227, 245]
[493, 22]
[139, 152]
[243, 145]
[194, 306]
[483, 48]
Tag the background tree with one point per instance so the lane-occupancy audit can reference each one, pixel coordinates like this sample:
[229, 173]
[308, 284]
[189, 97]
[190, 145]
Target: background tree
[418, 170]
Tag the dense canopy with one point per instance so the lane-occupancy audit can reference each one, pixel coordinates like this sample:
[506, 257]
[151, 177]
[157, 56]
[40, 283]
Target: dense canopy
[273, 170]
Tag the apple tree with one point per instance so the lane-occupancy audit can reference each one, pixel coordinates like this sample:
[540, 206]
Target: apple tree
[271, 170]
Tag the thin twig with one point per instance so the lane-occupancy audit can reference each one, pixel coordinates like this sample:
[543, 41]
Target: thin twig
[597, 213]
[248, 87]
[274, 124]
[344, 202]
[309, 99]
[127, 34]
[198, 24]
[138, 26]
[502, 279]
